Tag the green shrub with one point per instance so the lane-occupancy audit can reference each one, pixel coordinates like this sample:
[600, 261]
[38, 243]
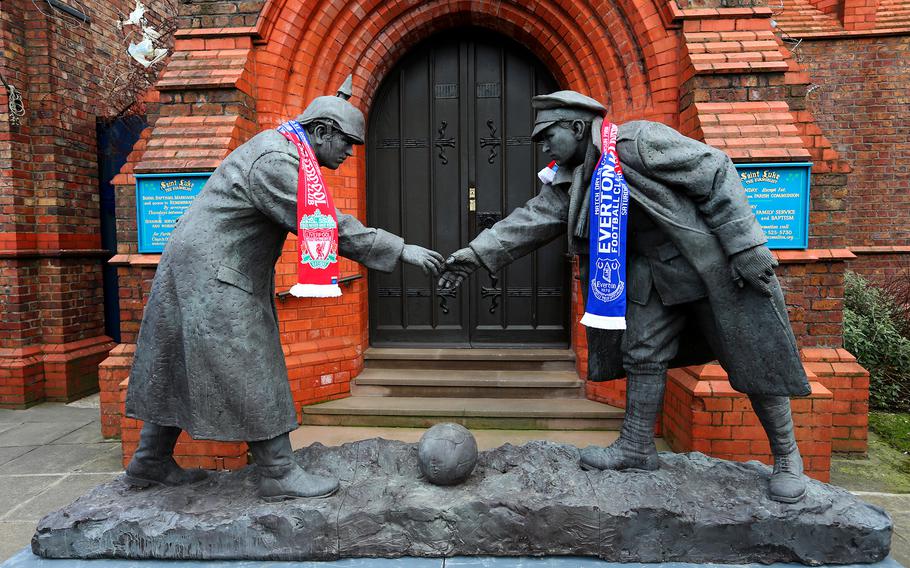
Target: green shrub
[873, 325]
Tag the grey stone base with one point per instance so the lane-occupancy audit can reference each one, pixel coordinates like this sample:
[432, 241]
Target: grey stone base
[531, 500]
[26, 559]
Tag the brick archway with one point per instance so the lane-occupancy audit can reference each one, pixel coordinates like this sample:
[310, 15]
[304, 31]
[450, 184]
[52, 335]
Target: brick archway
[311, 47]
[718, 74]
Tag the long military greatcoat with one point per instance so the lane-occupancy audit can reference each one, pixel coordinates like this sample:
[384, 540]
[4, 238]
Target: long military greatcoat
[209, 358]
[693, 194]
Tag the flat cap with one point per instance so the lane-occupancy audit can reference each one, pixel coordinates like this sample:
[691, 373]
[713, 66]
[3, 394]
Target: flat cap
[563, 105]
[348, 117]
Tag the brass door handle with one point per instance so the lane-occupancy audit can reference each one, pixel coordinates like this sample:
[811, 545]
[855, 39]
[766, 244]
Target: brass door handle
[472, 199]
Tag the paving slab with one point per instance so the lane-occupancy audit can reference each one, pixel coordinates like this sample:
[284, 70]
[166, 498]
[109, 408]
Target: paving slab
[60, 494]
[900, 540]
[39, 433]
[53, 459]
[8, 415]
[4, 426]
[88, 434]
[13, 452]
[52, 412]
[17, 489]
[110, 460]
[13, 534]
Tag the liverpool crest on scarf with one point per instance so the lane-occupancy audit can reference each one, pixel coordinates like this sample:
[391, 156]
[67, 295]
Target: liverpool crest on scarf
[317, 223]
[608, 214]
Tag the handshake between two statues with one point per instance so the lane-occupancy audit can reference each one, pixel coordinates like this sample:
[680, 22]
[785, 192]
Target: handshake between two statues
[209, 358]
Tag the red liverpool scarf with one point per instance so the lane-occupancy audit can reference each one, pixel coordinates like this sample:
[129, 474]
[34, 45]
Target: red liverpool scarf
[317, 234]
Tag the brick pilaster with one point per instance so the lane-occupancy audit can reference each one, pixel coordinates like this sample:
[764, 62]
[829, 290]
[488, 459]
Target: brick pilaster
[703, 413]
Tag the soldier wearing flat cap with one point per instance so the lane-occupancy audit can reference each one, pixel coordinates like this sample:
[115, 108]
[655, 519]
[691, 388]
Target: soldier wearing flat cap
[700, 280]
[208, 358]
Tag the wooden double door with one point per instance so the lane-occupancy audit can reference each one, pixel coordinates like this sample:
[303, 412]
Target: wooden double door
[449, 153]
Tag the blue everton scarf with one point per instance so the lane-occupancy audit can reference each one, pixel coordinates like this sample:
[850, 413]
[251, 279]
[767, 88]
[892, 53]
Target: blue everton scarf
[608, 216]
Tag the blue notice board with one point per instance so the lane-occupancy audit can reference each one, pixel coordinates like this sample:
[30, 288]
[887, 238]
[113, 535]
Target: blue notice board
[779, 195]
[160, 200]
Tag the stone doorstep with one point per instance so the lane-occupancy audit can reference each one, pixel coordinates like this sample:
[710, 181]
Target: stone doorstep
[418, 406]
[470, 359]
[454, 377]
[25, 559]
[495, 413]
[378, 353]
[461, 383]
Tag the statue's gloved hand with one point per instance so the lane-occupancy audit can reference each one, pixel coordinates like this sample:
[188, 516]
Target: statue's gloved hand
[427, 260]
[459, 266]
[754, 266]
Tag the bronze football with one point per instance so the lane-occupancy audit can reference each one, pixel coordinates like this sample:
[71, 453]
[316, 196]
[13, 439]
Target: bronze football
[447, 454]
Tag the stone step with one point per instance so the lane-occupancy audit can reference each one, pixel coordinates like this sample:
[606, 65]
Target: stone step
[460, 383]
[470, 359]
[494, 413]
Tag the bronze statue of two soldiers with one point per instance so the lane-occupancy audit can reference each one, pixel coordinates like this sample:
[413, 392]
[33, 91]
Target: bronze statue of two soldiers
[700, 286]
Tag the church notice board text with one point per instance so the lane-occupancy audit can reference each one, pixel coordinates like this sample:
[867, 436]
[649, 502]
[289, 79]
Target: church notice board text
[779, 195]
[160, 200]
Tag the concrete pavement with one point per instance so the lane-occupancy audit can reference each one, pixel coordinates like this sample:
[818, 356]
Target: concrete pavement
[50, 454]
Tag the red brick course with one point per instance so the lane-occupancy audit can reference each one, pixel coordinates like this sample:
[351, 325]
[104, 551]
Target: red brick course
[703, 413]
[848, 382]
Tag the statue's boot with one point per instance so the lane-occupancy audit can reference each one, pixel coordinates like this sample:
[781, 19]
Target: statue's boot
[281, 477]
[153, 463]
[787, 484]
[635, 447]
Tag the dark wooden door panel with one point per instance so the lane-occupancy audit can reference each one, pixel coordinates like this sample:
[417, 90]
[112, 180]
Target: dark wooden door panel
[452, 117]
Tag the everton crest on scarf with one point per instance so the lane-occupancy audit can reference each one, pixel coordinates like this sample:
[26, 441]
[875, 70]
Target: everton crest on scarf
[317, 223]
[608, 216]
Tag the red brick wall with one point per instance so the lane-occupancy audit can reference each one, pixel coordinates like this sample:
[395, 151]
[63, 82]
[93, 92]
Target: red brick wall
[848, 382]
[50, 263]
[879, 265]
[813, 284]
[703, 413]
[861, 104]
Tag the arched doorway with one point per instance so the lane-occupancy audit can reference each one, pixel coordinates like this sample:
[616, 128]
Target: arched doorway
[449, 153]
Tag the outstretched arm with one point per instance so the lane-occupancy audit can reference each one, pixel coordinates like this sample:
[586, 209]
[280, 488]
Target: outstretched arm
[272, 186]
[525, 229]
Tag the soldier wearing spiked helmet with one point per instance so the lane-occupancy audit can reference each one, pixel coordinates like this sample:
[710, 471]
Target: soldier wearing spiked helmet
[208, 358]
